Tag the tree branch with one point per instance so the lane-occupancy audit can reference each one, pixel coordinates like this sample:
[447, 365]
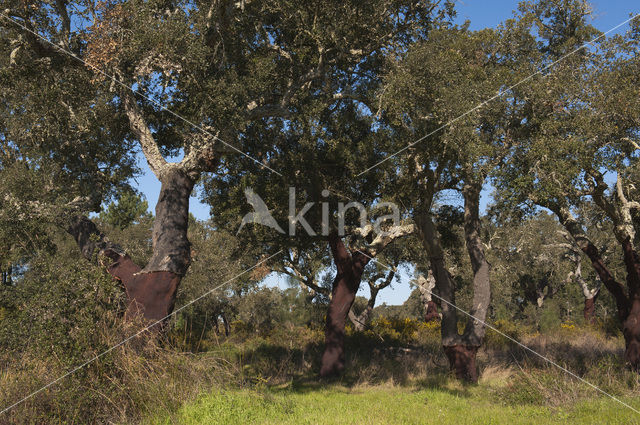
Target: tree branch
[150, 148]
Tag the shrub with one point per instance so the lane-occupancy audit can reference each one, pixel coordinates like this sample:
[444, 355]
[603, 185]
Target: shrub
[511, 328]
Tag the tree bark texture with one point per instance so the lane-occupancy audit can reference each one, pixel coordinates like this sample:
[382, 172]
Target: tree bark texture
[151, 292]
[462, 361]
[589, 311]
[350, 267]
[461, 350]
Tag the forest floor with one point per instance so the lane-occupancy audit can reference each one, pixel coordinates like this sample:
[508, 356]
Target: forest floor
[396, 373]
[392, 386]
[387, 404]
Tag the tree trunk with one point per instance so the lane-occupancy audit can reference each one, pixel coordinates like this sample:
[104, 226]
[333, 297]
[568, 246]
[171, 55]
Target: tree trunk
[432, 312]
[151, 292]
[444, 282]
[227, 327]
[628, 306]
[631, 332]
[475, 329]
[462, 361]
[461, 350]
[631, 325]
[345, 286]
[590, 295]
[589, 311]
[461, 358]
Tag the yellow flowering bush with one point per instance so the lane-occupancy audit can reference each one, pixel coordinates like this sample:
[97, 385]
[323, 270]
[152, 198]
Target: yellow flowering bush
[403, 331]
[512, 329]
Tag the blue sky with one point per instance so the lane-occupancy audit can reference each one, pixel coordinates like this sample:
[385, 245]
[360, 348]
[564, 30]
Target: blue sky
[482, 14]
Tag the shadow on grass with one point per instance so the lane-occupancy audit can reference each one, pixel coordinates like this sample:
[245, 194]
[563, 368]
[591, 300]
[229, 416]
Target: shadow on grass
[288, 363]
[369, 361]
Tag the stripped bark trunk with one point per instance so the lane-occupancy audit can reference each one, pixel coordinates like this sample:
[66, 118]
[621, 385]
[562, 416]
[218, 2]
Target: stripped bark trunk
[350, 267]
[619, 209]
[461, 350]
[631, 325]
[589, 310]
[590, 295]
[432, 312]
[591, 251]
[151, 292]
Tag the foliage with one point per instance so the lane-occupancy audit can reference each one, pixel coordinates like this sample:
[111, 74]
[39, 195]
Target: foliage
[319, 92]
[130, 208]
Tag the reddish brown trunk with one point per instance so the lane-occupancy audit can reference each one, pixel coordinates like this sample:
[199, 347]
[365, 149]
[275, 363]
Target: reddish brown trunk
[332, 362]
[628, 304]
[432, 312]
[589, 311]
[631, 325]
[151, 295]
[151, 292]
[631, 331]
[613, 286]
[632, 264]
[462, 361]
[575, 229]
[345, 287]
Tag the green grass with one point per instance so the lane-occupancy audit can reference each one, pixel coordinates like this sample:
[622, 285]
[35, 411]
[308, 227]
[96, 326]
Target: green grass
[384, 404]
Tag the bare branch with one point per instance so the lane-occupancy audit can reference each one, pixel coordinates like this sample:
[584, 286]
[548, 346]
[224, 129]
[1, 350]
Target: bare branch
[382, 239]
[150, 148]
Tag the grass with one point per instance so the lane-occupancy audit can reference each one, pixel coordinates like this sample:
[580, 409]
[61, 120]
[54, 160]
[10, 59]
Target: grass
[386, 386]
[386, 404]
[272, 379]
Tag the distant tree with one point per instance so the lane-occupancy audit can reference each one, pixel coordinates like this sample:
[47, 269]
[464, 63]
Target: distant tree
[535, 260]
[129, 209]
[434, 82]
[580, 125]
[376, 281]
